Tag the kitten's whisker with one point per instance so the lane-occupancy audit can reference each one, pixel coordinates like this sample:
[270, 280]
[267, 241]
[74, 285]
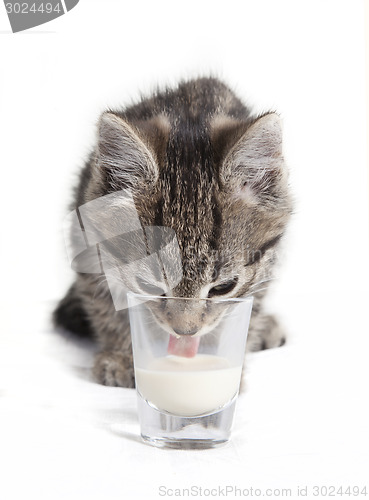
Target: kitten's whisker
[261, 282]
[253, 292]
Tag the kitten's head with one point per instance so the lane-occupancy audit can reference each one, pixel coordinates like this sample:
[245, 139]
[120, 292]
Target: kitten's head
[219, 186]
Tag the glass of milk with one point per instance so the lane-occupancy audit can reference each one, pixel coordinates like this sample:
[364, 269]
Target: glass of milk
[188, 356]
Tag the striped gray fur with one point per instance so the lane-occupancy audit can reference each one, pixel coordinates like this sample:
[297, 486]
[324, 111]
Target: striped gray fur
[197, 161]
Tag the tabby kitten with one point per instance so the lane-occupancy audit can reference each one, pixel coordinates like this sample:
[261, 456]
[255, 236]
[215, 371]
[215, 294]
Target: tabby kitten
[196, 161]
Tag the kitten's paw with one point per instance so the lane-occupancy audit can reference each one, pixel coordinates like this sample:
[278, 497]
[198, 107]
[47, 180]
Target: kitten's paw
[114, 369]
[265, 332]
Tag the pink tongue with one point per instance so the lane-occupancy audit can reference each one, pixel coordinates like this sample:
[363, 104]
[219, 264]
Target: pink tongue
[185, 346]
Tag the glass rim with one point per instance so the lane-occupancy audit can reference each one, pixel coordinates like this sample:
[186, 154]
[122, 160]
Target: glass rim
[248, 298]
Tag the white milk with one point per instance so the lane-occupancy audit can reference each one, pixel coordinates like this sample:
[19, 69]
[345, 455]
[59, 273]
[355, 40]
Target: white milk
[188, 386]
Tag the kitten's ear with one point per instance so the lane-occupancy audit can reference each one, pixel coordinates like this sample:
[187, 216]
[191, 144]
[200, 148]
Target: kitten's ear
[124, 161]
[254, 169]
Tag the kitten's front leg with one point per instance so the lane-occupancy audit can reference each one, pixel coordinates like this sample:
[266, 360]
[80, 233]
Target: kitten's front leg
[114, 364]
[114, 368]
[264, 332]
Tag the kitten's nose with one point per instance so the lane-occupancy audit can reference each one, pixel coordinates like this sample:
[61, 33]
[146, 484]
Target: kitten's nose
[186, 332]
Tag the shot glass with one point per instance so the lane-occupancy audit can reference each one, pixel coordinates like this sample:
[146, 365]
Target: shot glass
[188, 356]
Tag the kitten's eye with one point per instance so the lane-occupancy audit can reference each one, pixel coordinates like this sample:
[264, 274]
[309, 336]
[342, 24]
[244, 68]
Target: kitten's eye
[223, 288]
[149, 288]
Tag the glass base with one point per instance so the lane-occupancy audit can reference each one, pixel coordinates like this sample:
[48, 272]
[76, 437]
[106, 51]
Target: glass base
[171, 431]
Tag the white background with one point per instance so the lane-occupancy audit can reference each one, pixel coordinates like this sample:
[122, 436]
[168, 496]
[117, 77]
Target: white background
[304, 59]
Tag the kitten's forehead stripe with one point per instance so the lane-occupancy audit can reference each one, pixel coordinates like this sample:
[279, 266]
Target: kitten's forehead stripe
[217, 225]
[188, 184]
